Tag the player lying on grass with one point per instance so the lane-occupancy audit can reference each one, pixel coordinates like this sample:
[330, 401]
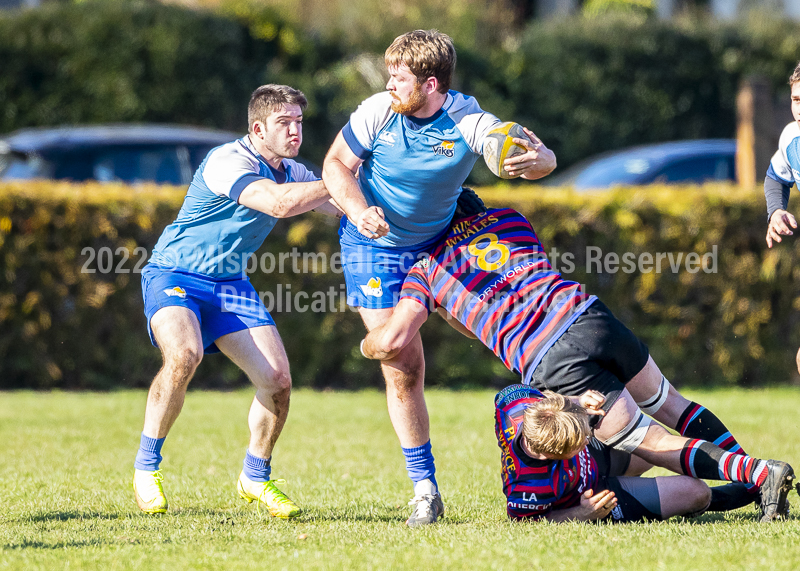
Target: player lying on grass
[490, 273]
[553, 469]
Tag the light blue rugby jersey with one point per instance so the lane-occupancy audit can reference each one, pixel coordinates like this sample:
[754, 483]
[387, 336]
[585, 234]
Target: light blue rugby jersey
[785, 163]
[213, 234]
[415, 174]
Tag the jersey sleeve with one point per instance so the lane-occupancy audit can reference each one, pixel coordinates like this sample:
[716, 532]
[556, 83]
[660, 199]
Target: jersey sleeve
[228, 172]
[300, 172]
[366, 122]
[416, 287]
[780, 168]
[472, 122]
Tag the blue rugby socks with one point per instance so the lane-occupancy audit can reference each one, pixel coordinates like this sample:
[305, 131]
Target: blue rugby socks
[421, 469]
[148, 458]
[256, 469]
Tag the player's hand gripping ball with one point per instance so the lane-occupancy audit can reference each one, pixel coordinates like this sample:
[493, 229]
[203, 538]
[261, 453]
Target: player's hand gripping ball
[499, 145]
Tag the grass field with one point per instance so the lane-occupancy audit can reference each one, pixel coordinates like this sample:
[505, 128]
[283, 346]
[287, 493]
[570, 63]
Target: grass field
[66, 463]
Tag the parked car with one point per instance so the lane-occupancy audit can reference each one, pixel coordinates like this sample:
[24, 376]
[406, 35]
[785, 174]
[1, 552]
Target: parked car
[165, 154]
[679, 162]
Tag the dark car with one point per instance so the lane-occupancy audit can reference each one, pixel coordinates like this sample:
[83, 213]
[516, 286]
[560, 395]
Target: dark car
[164, 154]
[679, 162]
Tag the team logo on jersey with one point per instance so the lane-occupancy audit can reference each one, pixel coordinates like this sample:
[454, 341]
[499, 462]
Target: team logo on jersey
[446, 148]
[373, 287]
[422, 264]
[387, 138]
[176, 291]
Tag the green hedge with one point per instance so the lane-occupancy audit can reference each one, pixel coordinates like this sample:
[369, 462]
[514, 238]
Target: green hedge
[585, 85]
[61, 327]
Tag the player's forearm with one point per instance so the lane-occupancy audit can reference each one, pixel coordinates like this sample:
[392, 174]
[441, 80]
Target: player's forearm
[455, 323]
[284, 200]
[378, 344]
[777, 195]
[343, 187]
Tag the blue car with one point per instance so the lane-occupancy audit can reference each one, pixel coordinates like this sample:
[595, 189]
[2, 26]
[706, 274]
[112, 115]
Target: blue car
[163, 154]
[679, 162]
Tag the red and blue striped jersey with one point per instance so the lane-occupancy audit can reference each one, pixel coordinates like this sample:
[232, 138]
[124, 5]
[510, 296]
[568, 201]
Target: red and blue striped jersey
[491, 273]
[535, 487]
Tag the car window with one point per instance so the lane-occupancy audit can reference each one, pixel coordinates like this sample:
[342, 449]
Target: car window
[197, 153]
[163, 164]
[160, 164]
[613, 170]
[698, 170]
[14, 166]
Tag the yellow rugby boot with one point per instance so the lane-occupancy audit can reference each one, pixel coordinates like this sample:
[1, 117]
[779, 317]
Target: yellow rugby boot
[149, 490]
[278, 504]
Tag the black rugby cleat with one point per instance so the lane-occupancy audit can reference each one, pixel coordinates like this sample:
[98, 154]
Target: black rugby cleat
[774, 490]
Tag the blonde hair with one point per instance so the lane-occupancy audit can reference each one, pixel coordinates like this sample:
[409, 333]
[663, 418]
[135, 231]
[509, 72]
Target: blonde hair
[271, 97]
[555, 425]
[427, 53]
[795, 78]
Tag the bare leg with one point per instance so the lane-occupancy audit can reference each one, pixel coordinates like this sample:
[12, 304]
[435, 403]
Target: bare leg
[177, 333]
[646, 383]
[690, 419]
[680, 495]
[797, 360]
[405, 386]
[659, 447]
[260, 354]
[637, 466]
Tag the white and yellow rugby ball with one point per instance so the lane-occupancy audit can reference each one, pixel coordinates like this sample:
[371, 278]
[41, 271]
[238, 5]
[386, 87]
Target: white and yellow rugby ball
[499, 146]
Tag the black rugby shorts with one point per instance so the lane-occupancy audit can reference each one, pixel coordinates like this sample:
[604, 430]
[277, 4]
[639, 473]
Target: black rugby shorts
[597, 352]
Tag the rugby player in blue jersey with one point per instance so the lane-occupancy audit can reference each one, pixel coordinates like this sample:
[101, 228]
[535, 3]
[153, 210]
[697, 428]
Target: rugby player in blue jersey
[412, 148]
[198, 298]
[783, 172]
[491, 274]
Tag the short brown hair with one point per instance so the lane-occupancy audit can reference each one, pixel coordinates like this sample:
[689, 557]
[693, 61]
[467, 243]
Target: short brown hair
[271, 97]
[427, 53]
[555, 425]
[795, 78]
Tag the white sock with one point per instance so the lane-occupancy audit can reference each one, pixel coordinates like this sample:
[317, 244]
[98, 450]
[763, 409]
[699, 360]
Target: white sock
[425, 487]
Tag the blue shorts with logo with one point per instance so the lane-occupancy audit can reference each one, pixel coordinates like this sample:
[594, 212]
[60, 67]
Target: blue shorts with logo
[221, 306]
[374, 274]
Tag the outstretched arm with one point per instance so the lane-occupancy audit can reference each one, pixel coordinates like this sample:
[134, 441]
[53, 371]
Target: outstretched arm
[780, 222]
[338, 172]
[284, 200]
[455, 323]
[537, 163]
[388, 340]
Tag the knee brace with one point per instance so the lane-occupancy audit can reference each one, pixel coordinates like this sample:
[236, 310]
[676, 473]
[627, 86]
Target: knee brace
[629, 438]
[652, 405]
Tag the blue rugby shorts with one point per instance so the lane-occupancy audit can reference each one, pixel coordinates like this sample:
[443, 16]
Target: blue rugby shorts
[221, 306]
[374, 274]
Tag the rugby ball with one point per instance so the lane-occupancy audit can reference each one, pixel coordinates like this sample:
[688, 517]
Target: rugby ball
[499, 146]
